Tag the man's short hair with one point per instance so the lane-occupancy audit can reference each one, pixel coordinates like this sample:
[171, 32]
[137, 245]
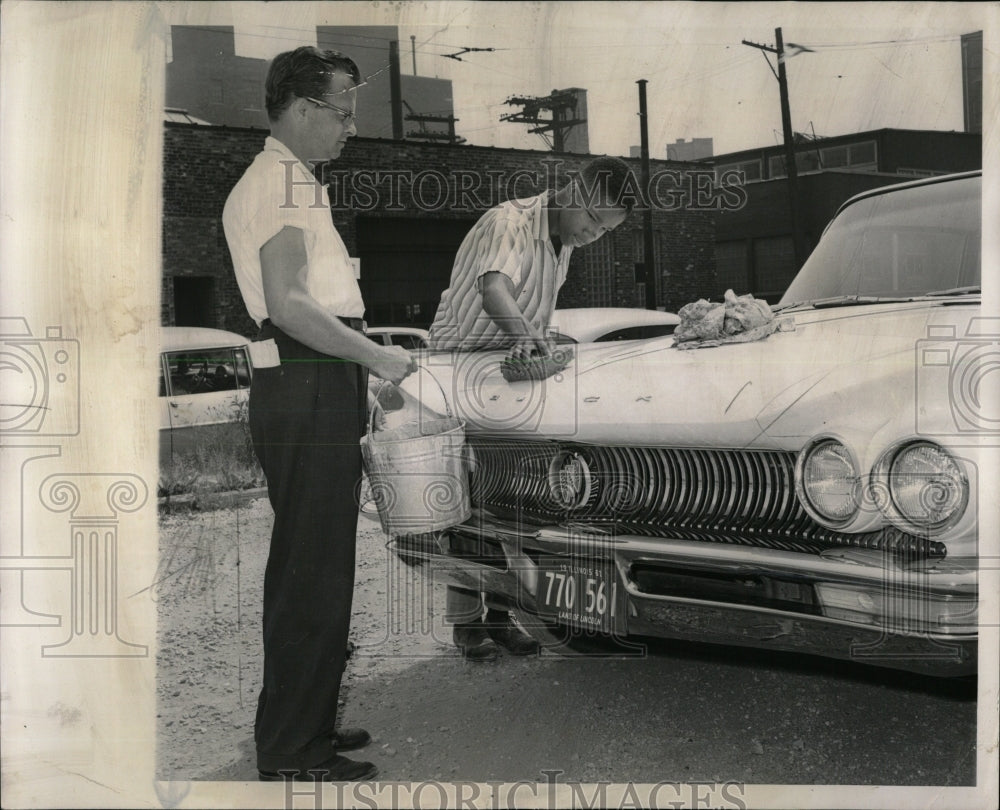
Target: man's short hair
[306, 71]
[611, 174]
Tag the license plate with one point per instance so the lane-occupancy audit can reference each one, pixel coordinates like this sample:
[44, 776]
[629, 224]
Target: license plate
[578, 593]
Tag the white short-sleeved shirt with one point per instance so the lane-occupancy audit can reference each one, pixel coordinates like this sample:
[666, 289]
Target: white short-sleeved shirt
[512, 239]
[276, 191]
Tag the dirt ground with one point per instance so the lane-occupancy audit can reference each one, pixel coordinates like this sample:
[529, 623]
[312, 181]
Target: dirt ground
[208, 591]
[680, 712]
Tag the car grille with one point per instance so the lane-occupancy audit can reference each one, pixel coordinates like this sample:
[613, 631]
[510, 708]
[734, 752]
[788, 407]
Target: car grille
[726, 496]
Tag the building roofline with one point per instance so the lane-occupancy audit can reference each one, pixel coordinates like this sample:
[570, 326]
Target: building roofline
[756, 150]
[437, 145]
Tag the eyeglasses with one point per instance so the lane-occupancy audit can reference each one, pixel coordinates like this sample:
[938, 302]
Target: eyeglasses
[346, 115]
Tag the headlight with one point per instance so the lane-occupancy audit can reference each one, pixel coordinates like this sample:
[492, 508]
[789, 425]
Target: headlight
[923, 486]
[826, 479]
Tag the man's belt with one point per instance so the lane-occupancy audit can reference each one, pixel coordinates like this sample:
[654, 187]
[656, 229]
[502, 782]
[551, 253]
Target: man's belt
[358, 324]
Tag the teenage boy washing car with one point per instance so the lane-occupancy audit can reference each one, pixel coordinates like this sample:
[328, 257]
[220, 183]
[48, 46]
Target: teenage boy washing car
[503, 289]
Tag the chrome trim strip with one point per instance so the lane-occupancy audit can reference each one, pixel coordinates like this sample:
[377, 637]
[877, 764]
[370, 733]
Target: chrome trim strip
[846, 566]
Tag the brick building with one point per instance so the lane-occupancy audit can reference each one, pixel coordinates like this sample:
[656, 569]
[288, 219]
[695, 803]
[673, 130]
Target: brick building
[755, 244]
[406, 233]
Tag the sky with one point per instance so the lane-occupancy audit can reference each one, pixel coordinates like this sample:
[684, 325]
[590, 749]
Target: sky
[873, 65]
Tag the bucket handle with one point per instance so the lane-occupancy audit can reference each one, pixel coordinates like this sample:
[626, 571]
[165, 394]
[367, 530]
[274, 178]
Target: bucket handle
[371, 416]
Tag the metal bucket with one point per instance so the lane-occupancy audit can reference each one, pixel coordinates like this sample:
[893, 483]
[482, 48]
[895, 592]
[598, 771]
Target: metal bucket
[419, 473]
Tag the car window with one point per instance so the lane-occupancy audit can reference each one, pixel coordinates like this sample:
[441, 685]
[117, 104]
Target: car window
[637, 332]
[903, 243]
[205, 371]
[408, 341]
[376, 338]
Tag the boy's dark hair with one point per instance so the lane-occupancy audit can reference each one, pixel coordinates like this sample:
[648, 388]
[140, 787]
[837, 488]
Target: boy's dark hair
[610, 174]
[303, 72]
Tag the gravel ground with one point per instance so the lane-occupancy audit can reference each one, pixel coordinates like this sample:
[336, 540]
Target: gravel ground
[208, 590]
[681, 712]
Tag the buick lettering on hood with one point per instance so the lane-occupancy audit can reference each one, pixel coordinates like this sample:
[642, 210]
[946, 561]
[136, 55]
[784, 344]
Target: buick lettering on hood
[814, 490]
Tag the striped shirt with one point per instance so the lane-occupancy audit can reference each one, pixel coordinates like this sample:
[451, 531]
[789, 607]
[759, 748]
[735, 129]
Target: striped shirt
[512, 239]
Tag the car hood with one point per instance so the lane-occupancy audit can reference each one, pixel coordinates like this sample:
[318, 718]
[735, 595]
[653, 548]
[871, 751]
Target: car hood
[848, 369]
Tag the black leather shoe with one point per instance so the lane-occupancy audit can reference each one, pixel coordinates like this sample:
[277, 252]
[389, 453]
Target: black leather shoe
[474, 642]
[336, 769]
[347, 739]
[512, 638]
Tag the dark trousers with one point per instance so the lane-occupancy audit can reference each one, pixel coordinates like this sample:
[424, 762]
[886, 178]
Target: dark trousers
[306, 419]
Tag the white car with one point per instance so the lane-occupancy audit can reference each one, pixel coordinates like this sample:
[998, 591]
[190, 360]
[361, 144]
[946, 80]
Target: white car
[604, 324]
[409, 337]
[204, 383]
[816, 491]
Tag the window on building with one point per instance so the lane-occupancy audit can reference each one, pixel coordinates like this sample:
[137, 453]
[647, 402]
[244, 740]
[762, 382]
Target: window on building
[194, 301]
[599, 269]
[918, 172]
[732, 271]
[860, 157]
[834, 157]
[810, 161]
[751, 170]
[774, 266]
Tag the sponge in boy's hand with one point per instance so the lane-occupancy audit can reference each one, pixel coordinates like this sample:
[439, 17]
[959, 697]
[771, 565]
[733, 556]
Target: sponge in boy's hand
[536, 367]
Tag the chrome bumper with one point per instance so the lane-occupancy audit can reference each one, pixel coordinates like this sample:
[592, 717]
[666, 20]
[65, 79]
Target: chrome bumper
[910, 636]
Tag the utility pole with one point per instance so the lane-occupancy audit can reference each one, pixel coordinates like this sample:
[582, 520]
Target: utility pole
[395, 91]
[413, 51]
[649, 263]
[424, 134]
[561, 104]
[791, 170]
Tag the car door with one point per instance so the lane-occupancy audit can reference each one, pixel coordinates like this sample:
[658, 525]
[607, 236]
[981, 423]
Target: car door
[204, 391]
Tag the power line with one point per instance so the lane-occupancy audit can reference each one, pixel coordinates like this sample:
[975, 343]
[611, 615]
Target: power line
[883, 42]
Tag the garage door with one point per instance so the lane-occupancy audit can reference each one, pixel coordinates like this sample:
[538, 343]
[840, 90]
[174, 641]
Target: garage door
[406, 265]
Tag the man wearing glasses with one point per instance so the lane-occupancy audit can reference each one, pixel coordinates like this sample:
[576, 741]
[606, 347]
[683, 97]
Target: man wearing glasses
[502, 293]
[307, 410]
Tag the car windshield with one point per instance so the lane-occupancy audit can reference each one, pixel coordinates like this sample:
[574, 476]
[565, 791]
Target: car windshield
[914, 242]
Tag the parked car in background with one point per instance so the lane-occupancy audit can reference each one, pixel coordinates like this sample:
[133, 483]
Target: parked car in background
[603, 324]
[574, 325]
[815, 491]
[409, 337]
[204, 383]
